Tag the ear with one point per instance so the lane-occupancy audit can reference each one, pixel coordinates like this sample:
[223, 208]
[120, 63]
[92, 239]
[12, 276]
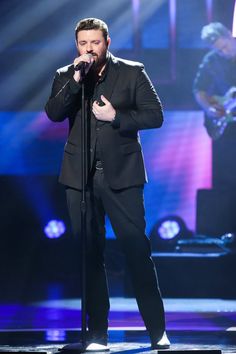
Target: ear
[108, 42]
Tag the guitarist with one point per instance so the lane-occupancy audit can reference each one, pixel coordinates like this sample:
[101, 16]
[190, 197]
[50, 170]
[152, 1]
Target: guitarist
[216, 75]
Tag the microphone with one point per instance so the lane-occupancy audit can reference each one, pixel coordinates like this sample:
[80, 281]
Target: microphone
[83, 64]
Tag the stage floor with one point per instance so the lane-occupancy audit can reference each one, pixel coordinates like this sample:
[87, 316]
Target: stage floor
[192, 324]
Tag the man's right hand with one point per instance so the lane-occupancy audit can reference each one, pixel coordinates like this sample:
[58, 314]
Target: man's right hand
[210, 104]
[86, 58]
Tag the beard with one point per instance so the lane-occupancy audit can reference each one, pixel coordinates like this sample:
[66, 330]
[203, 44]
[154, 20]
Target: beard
[99, 61]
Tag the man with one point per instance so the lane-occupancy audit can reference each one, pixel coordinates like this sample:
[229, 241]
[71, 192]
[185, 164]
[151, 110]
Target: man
[215, 91]
[120, 100]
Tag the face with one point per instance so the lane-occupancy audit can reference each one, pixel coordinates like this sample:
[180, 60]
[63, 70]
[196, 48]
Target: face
[93, 42]
[225, 46]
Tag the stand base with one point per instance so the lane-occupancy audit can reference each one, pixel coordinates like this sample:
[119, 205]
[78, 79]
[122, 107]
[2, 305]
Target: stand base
[77, 348]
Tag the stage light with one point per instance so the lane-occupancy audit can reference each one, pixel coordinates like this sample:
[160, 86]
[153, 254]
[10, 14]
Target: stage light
[168, 229]
[166, 232]
[54, 229]
[234, 22]
[55, 335]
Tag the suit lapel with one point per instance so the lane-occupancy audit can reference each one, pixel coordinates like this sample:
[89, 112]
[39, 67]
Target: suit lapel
[112, 76]
[110, 81]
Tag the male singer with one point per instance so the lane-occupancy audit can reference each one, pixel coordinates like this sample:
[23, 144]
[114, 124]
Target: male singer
[120, 101]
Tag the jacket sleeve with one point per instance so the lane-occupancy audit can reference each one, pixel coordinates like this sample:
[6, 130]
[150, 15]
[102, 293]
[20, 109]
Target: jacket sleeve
[206, 74]
[64, 98]
[148, 112]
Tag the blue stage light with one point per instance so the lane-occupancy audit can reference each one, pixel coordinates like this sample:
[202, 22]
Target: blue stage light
[166, 233]
[55, 335]
[54, 229]
[168, 229]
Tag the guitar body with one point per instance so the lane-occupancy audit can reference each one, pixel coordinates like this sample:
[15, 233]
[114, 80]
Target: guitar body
[216, 126]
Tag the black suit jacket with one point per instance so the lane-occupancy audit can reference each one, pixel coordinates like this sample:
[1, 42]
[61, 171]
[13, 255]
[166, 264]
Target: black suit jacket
[137, 105]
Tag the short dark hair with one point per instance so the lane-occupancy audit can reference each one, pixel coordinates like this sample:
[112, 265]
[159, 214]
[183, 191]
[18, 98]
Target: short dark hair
[213, 31]
[92, 24]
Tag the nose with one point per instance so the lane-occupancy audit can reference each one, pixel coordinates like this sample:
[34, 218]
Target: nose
[88, 48]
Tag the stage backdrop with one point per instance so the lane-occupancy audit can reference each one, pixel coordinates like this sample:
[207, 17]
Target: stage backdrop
[177, 156]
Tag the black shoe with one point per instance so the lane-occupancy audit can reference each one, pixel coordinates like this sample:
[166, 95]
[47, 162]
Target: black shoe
[162, 343]
[96, 347]
[77, 348]
[97, 342]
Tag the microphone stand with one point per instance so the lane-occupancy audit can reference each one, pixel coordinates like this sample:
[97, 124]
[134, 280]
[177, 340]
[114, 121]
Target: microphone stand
[83, 209]
[81, 347]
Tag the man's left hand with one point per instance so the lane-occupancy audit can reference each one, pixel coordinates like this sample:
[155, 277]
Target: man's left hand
[105, 112]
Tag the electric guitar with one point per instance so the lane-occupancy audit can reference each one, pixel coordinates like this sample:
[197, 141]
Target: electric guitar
[216, 126]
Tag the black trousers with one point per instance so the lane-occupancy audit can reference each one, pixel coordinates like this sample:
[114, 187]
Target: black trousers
[125, 209]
